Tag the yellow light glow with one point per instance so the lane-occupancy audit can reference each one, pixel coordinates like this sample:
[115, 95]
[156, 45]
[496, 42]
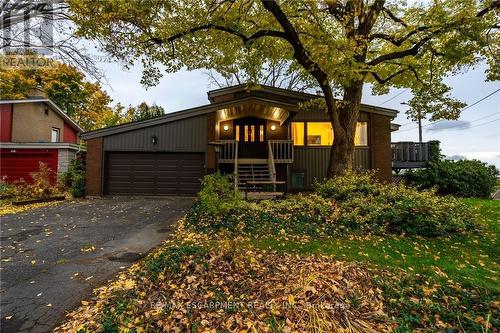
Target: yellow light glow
[319, 134]
[273, 127]
[226, 128]
[298, 134]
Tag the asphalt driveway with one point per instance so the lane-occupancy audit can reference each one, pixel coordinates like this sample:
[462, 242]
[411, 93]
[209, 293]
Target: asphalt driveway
[53, 257]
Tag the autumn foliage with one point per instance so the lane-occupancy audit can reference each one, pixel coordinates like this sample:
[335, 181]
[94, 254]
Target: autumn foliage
[352, 204]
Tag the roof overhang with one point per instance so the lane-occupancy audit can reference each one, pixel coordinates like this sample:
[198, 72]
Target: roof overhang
[51, 104]
[295, 95]
[184, 114]
[41, 145]
[395, 127]
[256, 110]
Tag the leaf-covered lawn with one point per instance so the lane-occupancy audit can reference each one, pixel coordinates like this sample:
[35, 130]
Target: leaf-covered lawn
[201, 283]
[471, 259]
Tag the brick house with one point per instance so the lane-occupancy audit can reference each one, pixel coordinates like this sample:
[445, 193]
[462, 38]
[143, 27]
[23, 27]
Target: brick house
[35, 130]
[259, 135]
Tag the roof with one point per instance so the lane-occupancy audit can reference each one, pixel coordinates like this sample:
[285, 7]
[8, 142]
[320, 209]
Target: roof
[51, 104]
[212, 107]
[179, 115]
[395, 127]
[293, 94]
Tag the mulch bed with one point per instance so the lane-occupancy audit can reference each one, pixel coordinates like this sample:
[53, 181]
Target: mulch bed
[40, 200]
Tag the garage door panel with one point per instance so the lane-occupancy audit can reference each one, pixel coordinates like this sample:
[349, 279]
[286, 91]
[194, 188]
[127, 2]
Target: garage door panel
[153, 173]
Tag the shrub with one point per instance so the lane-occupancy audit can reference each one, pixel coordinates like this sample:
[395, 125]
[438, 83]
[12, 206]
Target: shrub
[400, 209]
[371, 207]
[74, 178]
[354, 203]
[348, 186]
[217, 190]
[464, 178]
[42, 181]
[41, 187]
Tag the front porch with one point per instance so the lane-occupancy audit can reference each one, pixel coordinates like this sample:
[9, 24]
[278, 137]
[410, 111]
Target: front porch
[254, 145]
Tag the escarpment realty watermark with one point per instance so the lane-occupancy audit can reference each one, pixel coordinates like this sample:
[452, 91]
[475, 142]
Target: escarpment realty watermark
[236, 305]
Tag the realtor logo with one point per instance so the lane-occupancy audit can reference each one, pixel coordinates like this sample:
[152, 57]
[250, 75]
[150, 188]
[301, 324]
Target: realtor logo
[28, 26]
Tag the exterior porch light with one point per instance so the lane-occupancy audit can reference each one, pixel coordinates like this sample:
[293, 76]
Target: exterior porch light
[226, 127]
[273, 127]
[154, 139]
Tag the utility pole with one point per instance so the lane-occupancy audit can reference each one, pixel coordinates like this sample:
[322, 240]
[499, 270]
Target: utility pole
[419, 127]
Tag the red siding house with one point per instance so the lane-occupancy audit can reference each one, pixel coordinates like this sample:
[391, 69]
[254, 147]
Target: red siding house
[35, 130]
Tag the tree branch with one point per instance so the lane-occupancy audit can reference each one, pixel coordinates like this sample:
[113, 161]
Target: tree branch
[387, 79]
[394, 17]
[209, 26]
[400, 54]
[494, 5]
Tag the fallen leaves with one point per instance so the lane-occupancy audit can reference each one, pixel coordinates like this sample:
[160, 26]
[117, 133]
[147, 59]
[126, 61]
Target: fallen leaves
[238, 290]
[8, 208]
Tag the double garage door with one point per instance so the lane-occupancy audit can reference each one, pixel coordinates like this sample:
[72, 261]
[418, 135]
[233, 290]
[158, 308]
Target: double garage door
[135, 173]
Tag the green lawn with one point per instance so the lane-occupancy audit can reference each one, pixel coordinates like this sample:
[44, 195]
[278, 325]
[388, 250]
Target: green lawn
[471, 260]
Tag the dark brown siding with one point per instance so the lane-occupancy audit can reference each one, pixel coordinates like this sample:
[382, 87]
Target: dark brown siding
[186, 135]
[280, 133]
[314, 162]
[380, 142]
[94, 167]
[210, 136]
[142, 173]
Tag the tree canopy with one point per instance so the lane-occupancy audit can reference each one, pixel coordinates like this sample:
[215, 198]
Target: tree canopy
[337, 43]
[84, 101]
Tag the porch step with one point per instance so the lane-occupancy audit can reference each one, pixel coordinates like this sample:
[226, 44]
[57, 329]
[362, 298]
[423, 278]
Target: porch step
[256, 170]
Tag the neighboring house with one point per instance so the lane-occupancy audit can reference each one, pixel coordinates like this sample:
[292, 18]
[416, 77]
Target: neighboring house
[35, 130]
[263, 133]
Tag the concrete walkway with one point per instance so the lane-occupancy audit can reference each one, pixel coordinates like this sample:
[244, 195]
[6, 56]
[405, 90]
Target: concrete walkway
[53, 257]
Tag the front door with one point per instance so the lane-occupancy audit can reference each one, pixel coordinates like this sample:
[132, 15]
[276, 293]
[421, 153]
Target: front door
[251, 134]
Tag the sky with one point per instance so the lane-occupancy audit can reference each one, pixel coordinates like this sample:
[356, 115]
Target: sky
[476, 135]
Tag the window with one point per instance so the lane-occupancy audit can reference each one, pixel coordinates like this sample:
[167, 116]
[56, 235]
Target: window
[261, 133]
[319, 134]
[361, 136]
[298, 133]
[54, 135]
[237, 134]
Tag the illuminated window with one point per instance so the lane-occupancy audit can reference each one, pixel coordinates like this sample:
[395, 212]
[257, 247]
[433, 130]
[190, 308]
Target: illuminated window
[261, 133]
[237, 134]
[319, 134]
[298, 134]
[252, 133]
[361, 137]
[245, 133]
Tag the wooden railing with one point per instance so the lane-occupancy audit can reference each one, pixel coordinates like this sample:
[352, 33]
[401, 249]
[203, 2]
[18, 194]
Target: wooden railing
[235, 170]
[270, 161]
[282, 150]
[407, 155]
[228, 152]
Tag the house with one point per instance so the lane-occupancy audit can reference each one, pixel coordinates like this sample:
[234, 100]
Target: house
[35, 130]
[262, 136]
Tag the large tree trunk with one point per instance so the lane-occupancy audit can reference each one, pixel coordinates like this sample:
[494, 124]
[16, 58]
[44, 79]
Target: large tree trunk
[344, 128]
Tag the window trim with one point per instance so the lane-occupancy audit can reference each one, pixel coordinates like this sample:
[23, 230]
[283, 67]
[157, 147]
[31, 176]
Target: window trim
[58, 130]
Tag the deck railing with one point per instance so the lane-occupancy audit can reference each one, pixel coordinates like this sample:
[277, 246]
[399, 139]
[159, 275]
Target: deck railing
[282, 150]
[229, 152]
[271, 161]
[407, 155]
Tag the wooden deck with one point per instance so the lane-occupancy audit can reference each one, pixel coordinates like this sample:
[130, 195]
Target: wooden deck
[409, 155]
